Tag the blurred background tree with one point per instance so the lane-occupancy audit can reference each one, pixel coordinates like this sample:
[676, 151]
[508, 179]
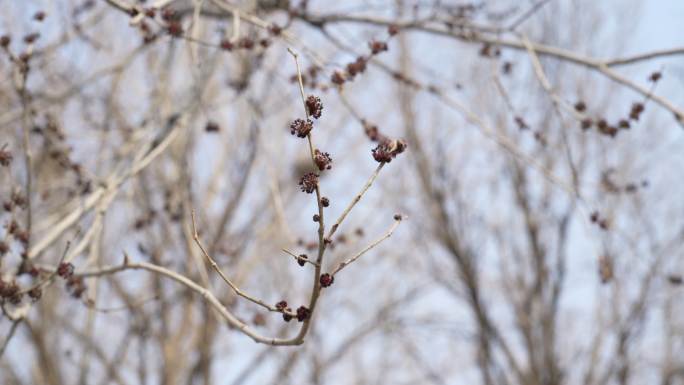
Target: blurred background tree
[539, 195]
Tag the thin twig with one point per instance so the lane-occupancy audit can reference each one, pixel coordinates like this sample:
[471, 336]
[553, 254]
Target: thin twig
[214, 265]
[356, 200]
[388, 234]
[527, 14]
[13, 329]
[296, 257]
[229, 317]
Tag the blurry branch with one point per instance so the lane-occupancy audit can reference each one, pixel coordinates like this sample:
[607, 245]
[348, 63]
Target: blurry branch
[599, 65]
[110, 365]
[10, 334]
[462, 256]
[536, 7]
[112, 184]
[470, 116]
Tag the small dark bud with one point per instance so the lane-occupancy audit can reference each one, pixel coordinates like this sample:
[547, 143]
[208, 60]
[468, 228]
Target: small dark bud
[356, 67]
[316, 218]
[675, 279]
[624, 124]
[39, 16]
[226, 45]
[65, 270]
[325, 202]
[398, 217]
[655, 77]
[377, 46]
[35, 293]
[282, 305]
[275, 29]
[30, 38]
[246, 43]
[5, 157]
[594, 216]
[309, 182]
[522, 125]
[303, 313]
[5, 41]
[174, 28]
[212, 127]
[323, 160]
[326, 280]
[314, 106]
[388, 150]
[301, 260]
[337, 78]
[580, 106]
[301, 128]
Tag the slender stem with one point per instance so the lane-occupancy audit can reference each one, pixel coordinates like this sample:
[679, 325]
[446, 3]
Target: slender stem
[231, 319]
[316, 287]
[214, 265]
[296, 257]
[387, 234]
[356, 200]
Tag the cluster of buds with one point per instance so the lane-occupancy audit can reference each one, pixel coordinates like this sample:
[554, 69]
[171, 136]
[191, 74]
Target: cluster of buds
[309, 182]
[326, 280]
[245, 43]
[606, 129]
[357, 67]
[636, 110]
[338, 78]
[654, 77]
[35, 293]
[301, 128]
[65, 270]
[283, 308]
[388, 149]
[303, 313]
[601, 222]
[314, 106]
[602, 125]
[377, 46]
[372, 131]
[173, 22]
[10, 291]
[323, 160]
[5, 157]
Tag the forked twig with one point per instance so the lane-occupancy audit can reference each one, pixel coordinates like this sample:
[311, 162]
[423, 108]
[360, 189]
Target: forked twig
[345, 263]
[214, 265]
